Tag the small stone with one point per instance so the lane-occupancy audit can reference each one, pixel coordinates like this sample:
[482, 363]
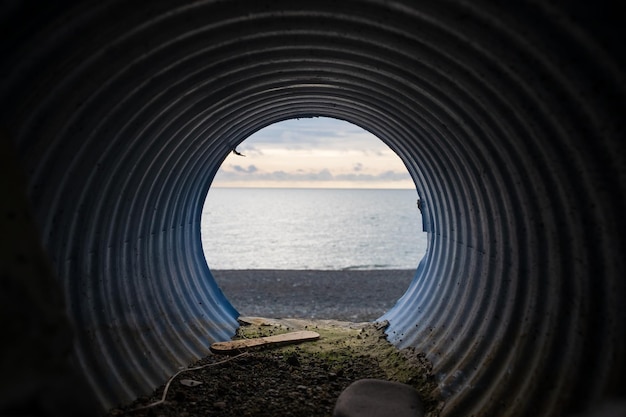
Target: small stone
[220, 404]
[378, 398]
[293, 360]
[190, 382]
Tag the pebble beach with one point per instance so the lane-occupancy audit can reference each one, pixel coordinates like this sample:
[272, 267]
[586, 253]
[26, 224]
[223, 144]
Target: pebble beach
[350, 295]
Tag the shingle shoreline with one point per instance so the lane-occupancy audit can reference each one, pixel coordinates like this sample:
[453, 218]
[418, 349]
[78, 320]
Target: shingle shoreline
[353, 295]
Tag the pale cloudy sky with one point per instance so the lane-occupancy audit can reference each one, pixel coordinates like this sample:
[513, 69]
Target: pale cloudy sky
[313, 152]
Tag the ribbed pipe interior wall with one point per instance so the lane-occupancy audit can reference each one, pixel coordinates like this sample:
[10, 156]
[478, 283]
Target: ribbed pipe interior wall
[509, 116]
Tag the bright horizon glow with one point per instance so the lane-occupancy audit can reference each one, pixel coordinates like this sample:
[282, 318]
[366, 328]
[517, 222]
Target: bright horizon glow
[313, 153]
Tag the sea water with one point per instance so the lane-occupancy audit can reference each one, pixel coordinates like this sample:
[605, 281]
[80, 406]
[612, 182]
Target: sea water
[324, 229]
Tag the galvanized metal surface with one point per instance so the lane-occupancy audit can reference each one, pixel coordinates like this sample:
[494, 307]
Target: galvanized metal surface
[508, 117]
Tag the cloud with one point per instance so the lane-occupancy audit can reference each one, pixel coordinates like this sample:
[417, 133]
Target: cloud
[323, 175]
[239, 173]
[393, 175]
[385, 176]
[250, 170]
[314, 151]
[315, 132]
[299, 175]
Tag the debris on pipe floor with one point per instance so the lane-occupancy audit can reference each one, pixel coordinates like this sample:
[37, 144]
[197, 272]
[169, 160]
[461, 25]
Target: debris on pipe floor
[269, 341]
[289, 380]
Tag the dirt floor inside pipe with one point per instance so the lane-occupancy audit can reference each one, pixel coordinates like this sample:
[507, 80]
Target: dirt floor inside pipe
[302, 379]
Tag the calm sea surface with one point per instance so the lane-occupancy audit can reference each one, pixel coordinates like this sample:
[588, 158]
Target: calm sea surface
[326, 229]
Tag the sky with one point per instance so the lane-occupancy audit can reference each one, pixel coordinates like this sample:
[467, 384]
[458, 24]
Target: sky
[315, 152]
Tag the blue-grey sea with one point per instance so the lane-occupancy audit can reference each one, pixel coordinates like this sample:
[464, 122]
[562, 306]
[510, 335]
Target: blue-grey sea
[323, 229]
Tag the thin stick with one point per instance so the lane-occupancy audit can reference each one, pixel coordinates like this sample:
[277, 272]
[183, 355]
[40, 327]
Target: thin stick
[167, 386]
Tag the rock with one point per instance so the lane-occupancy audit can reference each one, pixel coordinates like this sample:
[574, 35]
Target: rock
[293, 360]
[378, 398]
[190, 382]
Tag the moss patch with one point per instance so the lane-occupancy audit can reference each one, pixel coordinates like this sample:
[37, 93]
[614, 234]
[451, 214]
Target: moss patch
[302, 380]
[342, 343]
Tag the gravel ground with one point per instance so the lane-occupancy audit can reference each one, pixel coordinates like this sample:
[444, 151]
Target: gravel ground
[300, 380]
[343, 295]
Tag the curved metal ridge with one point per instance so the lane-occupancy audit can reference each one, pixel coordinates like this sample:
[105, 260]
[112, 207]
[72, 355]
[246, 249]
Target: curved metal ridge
[508, 117]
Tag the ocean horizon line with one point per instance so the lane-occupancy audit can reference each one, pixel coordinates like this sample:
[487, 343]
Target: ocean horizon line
[287, 187]
[312, 229]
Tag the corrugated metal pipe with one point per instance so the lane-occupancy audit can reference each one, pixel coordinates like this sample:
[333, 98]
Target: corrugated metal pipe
[509, 117]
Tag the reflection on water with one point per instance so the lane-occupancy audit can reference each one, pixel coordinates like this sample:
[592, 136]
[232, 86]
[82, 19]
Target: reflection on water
[326, 229]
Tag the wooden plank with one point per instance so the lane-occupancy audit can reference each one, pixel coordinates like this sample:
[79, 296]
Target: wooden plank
[280, 339]
[256, 321]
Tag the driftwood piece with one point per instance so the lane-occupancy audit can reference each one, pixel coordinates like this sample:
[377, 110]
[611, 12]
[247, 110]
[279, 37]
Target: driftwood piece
[281, 339]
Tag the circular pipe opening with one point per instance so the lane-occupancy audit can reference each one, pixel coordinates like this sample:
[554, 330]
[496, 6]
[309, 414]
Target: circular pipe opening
[322, 223]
